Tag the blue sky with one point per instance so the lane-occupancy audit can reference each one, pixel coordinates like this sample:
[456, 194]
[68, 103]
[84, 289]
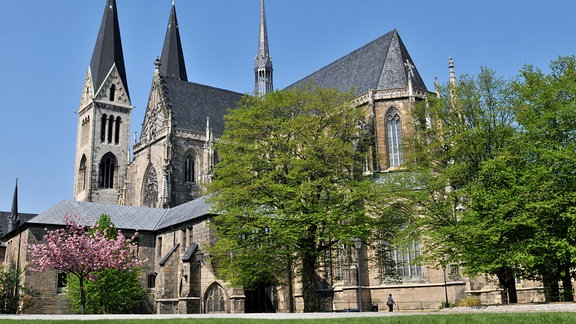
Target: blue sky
[46, 48]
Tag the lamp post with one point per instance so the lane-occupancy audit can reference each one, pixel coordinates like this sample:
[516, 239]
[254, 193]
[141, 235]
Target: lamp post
[445, 286]
[358, 246]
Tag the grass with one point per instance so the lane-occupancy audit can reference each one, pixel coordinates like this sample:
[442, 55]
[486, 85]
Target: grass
[508, 318]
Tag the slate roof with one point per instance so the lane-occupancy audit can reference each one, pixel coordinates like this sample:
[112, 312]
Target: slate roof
[108, 49]
[191, 103]
[377, 65]
[4, 216]
[124, 217]
[172, 59]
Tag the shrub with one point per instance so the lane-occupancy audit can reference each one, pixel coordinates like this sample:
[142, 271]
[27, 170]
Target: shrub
[469, 302]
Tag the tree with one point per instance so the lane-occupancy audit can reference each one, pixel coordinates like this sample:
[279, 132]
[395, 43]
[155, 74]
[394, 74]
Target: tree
[114, 291]
[10, 286]
[469, 125]
[76, 251]
[289, 186]
[546, 114]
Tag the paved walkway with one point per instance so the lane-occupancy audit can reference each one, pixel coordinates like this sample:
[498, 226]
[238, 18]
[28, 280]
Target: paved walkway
[553, 307]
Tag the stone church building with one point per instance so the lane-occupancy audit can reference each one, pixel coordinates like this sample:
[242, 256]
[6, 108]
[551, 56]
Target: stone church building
[153, 183]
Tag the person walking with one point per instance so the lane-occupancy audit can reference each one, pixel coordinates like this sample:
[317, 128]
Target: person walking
[390, 303]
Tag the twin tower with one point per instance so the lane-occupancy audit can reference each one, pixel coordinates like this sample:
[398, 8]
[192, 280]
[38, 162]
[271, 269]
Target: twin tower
[173, 157]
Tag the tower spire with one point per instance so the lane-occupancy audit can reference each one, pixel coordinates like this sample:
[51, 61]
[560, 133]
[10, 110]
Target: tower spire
[14, 219]
[452, 73]
[108, 49]
[172, 59]
[263, 65]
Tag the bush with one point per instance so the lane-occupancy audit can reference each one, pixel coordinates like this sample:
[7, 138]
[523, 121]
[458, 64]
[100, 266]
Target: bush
[469, 302]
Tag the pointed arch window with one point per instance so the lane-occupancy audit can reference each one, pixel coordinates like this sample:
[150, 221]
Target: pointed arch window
[107, 171]
[215, 302]
[117, 130]
[394, 132]
[103, 123]
[110, 128]
[112, 92]
[189, 168]
[82, 173]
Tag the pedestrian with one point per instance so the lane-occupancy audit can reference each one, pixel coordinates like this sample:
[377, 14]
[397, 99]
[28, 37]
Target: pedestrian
[390, 302]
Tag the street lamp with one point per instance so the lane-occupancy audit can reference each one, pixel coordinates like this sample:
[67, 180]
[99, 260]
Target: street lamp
[445, 287]
[358, 246]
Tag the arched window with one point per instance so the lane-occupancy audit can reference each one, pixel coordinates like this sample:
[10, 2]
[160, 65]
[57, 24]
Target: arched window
[82, 173]
[215, 302]
[107, 171]
[112, 92]
[150, 188]
[394, 131]
[103, 123]
[110, 128]
[117, 130]
[189, 168]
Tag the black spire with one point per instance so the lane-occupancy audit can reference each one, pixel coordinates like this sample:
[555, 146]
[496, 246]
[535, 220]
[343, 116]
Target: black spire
[108, 49]
[263, 64]
[14, 219]
[172, 59]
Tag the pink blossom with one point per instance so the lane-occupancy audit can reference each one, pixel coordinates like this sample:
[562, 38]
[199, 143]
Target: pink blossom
[76, 250]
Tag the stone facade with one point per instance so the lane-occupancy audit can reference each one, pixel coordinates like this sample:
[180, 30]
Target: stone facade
[173, 158]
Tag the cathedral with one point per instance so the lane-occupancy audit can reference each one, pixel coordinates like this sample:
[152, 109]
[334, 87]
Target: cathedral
[153, 184]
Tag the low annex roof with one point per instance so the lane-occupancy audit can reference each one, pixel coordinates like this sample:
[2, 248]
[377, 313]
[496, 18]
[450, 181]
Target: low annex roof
[124, 217]
[378, 65]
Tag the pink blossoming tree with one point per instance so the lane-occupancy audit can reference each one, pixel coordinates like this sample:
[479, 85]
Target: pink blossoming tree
[82, 252]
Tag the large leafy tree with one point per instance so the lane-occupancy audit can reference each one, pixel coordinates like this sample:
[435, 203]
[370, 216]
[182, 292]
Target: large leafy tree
[546, 114]
[83, 252]
[114, 291]
[289, 186]
[469, 124]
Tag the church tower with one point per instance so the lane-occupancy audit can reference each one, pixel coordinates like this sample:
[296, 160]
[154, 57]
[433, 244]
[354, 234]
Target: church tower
[102, 144]
[174, 156]
[263, 64]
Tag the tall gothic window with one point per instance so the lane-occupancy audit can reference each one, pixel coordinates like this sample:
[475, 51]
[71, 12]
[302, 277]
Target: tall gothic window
[150, 188]
[189, 168]
[82, 173]
[107, 171]
[117, 130]
[103, 123]
[400, 264]
[394, 131]
[110, 128]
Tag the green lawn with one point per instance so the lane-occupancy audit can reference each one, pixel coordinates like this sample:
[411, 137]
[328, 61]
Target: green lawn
[507, 318]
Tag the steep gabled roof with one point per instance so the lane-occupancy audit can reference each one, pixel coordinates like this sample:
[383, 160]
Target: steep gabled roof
[108, 49]
[377, 65]
[191, 103]
[172, 59]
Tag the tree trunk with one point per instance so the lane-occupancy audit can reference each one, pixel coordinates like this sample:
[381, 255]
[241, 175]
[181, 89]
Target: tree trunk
[309, 286]
[567, 290]
[82, 294]
[507, 280]
[551, 288]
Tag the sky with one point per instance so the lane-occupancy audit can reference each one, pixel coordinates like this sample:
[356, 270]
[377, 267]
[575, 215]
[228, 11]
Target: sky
[46, 47]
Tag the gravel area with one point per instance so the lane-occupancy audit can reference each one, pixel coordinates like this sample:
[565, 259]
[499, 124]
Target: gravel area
[551, 307]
